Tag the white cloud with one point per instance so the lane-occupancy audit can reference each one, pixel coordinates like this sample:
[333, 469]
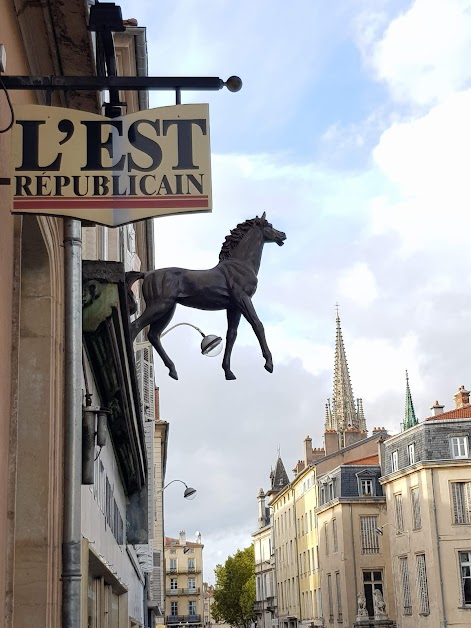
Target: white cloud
[424, 54]
[358, 283]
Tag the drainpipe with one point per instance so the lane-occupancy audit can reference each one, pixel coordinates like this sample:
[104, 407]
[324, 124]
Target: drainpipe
[353, 554]
[439, 560]
[72, 537]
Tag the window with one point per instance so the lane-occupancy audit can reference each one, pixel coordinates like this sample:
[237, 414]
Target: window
[173, 609]
[322, 495]
[461, 500]
[422, 587]
[191, 564]
[173, 564]
[173, 584]
[191, 584]
[192, 608]
[331, 601]
[406, 597]
[399, 512]
[335, 539]
[459, 447]
[173, 551]
[369, 538]
[411, 453]
[416, 518]
[339, 597]
[371, 580]
[394, 461]
[326, 536]
[331, 489]
[366, 488]
[465, 569]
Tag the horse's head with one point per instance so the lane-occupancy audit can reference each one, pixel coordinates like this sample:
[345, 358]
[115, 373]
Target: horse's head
[270, 234]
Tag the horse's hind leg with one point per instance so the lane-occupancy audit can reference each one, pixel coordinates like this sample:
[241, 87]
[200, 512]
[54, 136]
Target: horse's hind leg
[154, 338]
[233, 319]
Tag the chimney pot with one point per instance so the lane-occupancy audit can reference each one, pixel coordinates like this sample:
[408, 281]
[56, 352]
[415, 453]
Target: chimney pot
[462, 397]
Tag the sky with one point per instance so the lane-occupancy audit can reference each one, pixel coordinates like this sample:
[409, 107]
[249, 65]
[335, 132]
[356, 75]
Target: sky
[353, 132]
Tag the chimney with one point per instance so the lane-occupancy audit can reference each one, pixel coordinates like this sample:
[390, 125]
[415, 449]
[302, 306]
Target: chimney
[462, 397]
[182, 537]
[437, 409]
[307, 450]
[261, 509]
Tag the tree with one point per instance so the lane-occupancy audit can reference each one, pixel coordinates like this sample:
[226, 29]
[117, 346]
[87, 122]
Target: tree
[234, 592]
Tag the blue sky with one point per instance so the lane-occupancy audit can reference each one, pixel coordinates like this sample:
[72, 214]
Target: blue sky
[352, 131]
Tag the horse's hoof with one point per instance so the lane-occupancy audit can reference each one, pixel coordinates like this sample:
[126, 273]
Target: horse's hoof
[173, 374]
[230, 375]
[269, 367]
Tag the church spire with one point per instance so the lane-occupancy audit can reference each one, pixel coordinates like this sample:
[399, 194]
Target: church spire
[409, 416]
[343, 404]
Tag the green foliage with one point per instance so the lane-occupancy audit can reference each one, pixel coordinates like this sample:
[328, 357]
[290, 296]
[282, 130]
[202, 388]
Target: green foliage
[234, 592]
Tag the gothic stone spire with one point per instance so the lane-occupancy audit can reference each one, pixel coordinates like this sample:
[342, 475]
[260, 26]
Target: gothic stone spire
[343, 403]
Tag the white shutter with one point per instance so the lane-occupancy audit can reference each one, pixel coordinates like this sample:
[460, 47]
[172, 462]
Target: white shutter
[145, 376]
[399, 512]
[417, 519]
[369, 537]
[422, 587]
[406, 598]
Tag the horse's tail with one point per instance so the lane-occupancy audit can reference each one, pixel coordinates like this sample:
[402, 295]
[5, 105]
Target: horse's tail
[131, 277]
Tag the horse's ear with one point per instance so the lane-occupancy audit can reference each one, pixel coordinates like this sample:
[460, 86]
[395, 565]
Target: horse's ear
[264, 216]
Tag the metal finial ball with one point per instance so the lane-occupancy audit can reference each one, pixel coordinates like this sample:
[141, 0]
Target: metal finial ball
[234, 84]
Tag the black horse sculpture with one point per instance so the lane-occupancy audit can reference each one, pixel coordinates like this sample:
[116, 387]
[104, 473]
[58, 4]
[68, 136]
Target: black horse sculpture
[228, 286]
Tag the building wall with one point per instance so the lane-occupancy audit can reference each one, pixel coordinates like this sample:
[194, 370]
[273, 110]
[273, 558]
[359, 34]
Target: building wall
[439, 540]
[304, 486]
[182, 573]
[10, 242]
[265, 580]
[284, 541]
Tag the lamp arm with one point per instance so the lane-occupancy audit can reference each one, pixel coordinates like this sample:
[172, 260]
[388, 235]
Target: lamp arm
[178, 325]
[185, 485]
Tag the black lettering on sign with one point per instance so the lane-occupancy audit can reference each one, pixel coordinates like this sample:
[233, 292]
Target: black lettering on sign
[145, 145]
[184, 141]
[96, 146]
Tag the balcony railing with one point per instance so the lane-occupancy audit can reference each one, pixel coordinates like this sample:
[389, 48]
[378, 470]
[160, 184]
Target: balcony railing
[183, 619]
[183, 570]
[190, 591]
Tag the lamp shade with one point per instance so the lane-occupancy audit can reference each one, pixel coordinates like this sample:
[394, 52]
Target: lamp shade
[211, 345]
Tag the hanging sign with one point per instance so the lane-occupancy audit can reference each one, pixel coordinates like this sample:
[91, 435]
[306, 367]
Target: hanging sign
[111, 171]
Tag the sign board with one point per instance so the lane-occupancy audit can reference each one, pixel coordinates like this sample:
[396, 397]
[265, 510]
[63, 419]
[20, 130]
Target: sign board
[111, 171]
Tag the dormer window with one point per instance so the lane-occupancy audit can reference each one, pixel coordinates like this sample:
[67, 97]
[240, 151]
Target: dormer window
[459, 447]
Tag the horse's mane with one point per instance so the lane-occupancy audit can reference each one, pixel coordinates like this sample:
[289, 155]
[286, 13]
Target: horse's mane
[235, 236]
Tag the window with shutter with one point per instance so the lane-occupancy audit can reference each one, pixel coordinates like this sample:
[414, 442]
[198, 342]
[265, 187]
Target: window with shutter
[399, 512]
[461, 502]
[145, 376]
[369, 538]
[339, 597]
[406, 597]
[335, 539]
[331, 601]
[422, 587]
[416, 516]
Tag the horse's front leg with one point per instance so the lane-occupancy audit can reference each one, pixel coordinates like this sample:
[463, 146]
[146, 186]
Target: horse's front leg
[233, 318]
[246, 307]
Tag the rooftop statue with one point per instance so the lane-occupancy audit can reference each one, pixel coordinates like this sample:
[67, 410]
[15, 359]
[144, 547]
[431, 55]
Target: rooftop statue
[228, 286]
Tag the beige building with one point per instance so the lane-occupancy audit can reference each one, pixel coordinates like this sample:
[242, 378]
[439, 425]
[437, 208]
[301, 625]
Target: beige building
[265, 578]
[184, 581]
[427, 481]
[354, 559]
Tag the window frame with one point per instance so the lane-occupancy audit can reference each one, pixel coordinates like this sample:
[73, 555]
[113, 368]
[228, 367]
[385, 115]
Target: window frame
[411, 453]
[467, 563]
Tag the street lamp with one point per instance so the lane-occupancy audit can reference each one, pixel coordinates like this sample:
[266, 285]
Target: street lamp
[188, 493]
[380, 532]
[211, 345]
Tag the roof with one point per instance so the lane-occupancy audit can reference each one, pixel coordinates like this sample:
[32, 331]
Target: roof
[457, 413]
[169, 541]
[374, 459]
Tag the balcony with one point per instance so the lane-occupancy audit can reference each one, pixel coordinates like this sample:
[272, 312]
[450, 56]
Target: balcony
[183, 619]
[183, 570]
[193, 591]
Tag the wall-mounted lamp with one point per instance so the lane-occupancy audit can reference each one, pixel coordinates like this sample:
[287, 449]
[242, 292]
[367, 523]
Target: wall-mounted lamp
[211, 345]
[188, 493]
